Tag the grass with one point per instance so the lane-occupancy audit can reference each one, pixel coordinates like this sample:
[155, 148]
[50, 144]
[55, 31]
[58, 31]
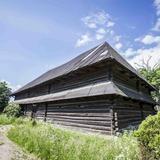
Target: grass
[50, 143]
[4, 120]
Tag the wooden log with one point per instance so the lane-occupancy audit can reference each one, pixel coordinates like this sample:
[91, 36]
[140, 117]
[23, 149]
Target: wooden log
[95, 110]
[80, 118]
[81, 125]
[106, 115]
[87, 122]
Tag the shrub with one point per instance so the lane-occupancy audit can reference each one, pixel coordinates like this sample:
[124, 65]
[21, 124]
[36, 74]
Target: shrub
[51, 143]
[12, 110]
[148, 135]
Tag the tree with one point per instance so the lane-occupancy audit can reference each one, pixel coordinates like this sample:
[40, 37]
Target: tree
[152, 75]
[5, 92]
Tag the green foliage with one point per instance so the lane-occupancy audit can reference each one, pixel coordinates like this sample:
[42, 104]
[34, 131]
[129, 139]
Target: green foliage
[12, 110]
[50, 143]
[5, 120]
[5, 92]
[149, 136]
[153, 76]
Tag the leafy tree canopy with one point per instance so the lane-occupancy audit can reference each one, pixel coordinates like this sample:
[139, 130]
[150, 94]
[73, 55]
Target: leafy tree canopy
[153, 77]
[5, 92]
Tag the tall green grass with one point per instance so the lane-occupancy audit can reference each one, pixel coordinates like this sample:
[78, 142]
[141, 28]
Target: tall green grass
[50, 143]
[4, 120]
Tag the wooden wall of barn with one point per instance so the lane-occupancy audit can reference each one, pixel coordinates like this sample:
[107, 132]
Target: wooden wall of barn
[128, 79]
[130, 112]
[107, 116]
[88, 76]
[92, 74]
[87, 116]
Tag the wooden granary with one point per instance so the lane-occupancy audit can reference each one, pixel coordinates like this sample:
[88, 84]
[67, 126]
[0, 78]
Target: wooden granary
[97, 91]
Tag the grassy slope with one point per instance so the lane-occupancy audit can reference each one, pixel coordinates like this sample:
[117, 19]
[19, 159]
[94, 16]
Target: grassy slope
[50, 143]
[56, 144]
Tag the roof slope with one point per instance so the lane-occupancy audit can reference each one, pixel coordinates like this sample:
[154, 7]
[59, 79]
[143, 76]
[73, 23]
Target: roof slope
[96, 54]
[97, 89]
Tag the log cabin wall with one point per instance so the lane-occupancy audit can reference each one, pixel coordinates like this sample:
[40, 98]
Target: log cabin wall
[123, 76]
[95, 116]
[94, 74]
[130, 112]
[28, 109]
[84, 77]
[22, 95]
[88, 116]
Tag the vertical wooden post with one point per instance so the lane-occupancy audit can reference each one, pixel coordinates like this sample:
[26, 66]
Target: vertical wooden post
[45, 116]
[112, 121]
[49, 88]
[33, 111]
[116, 121]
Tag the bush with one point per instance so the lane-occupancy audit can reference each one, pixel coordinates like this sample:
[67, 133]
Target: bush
[12, 110]
[51, 143]
[148, 135]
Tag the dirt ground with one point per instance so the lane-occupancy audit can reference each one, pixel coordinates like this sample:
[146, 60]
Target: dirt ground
[9, 150]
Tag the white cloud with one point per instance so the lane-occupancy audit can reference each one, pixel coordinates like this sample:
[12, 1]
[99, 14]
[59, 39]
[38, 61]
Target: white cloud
[149, 39]
[111, 32]
[144, 55]
[130, 52]
[137, 39]
[139, 56]
[99, 36]
[99, 24]
[157, 5]
[101, 31]
[110, 24]
[157, 25]
[84, 39]
[118, 45]
[117, 38]
[96, 19]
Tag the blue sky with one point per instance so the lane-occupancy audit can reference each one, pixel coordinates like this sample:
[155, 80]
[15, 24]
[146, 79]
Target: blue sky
[38, 35]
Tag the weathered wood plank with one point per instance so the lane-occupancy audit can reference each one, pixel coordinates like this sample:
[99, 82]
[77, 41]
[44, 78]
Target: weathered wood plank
[80, 125]
[107, 115]
[87, 122]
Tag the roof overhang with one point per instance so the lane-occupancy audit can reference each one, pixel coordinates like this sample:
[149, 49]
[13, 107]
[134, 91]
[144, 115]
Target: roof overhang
[96, 89]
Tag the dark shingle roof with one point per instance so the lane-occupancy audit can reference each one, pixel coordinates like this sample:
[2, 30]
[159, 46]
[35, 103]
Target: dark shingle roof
[96, 54]
[97, 89]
